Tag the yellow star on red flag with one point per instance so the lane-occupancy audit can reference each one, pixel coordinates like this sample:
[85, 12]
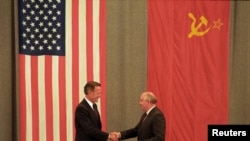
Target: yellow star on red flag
[217, 24]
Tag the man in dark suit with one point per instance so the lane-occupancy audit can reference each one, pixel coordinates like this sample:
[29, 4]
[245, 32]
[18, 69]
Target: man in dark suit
[87, 119]
[152, 125]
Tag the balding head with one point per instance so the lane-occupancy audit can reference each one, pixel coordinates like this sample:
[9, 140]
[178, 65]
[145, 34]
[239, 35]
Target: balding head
[150, 97]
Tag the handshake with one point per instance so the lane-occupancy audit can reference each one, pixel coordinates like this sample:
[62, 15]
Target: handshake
[114, 136]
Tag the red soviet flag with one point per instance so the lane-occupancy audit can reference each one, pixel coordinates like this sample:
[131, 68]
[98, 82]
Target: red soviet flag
[188, 48]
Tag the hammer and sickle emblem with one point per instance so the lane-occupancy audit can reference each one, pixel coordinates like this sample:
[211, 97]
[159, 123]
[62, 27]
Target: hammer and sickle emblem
[194, 29]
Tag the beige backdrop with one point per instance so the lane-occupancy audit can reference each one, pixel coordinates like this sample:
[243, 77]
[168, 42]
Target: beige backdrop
[126, 64]
[126, 61]
[239, 103]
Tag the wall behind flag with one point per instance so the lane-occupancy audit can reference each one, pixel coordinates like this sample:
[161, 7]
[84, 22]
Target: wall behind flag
[239, 64]
[8, 111]
[126, 62]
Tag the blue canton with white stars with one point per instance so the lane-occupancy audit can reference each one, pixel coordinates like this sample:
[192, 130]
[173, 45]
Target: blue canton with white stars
[42, 27]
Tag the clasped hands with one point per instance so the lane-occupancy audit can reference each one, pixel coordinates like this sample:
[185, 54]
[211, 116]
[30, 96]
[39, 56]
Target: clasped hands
[114, 136]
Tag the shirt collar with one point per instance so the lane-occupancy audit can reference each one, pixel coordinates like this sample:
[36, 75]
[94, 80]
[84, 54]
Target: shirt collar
[90, 103]
[150, 109]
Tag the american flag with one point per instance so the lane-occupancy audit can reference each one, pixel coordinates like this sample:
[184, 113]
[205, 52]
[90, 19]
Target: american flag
[62, 45]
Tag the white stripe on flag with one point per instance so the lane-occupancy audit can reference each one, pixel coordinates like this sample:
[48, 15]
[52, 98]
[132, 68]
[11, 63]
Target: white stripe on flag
[82, 48]
[68, 67]
[55, 96]
[28, 98]
[41, 98]
[96, 43]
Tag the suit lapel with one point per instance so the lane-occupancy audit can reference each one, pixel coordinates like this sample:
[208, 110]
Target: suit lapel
[92, 113]
[144, 123]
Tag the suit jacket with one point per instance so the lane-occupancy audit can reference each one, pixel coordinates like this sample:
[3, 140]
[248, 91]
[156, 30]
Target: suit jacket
[88, 125]
[152, 128]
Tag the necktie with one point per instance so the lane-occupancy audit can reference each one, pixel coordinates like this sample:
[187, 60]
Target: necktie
[144, 116]
[95, 109]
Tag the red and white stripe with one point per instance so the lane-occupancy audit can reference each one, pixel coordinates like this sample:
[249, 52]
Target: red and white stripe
[52, 86]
